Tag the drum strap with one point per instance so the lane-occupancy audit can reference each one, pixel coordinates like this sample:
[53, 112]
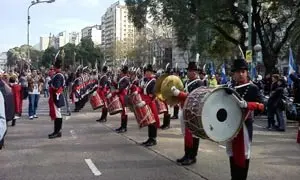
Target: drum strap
[145, 88]
[121, 81]
[190, 83]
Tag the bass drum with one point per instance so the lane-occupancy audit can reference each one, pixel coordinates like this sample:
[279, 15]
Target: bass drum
[222, 117]
[192, 110]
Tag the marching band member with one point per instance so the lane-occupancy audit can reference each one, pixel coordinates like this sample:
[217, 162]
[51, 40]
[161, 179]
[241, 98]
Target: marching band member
[122, 88]
[16, 90]
[191, 144]
[239, 148]
[77, 90]
[102, 91]
[56, 99]
[148, 97]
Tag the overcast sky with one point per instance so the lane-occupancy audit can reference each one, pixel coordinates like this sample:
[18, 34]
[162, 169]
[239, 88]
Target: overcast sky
[70, 15]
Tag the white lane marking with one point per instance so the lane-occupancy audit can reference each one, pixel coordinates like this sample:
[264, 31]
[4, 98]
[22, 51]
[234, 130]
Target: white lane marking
[66, 118]
[257, 125]
[221, 146]
[93, 168]
[73, 134]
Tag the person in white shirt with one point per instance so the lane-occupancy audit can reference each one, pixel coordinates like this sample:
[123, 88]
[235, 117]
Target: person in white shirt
[35, 85]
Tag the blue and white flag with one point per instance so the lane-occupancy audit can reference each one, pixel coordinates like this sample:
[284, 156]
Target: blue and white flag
[223, 74]
[292, 66]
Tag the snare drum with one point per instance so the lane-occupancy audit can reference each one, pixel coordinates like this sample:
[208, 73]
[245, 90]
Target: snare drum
[162, 107]
[114, 105]
[96, 101]
[144, 116]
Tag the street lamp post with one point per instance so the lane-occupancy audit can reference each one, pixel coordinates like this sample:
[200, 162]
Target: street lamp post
[35, 2]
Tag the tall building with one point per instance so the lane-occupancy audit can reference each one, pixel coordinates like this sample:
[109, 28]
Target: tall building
[93, 32]
[60, 40]
[117, 29]
[75, 38]
[3, 60]
[44, 43]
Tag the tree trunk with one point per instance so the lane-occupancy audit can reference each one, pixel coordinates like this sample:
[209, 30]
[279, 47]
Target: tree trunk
[270, 61]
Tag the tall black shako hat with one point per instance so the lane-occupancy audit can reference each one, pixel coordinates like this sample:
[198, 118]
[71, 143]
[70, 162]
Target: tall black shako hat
[239, 64]
[149, 68]
[125, 69]
[104, 69]
[192, 66]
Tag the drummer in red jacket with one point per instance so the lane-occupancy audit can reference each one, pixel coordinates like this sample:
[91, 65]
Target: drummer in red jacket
[102, 91]
[148, 96]
[191, 144]
[122, 90]
[238, 149]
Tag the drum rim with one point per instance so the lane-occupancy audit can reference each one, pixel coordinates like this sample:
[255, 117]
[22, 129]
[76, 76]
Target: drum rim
[242, 119]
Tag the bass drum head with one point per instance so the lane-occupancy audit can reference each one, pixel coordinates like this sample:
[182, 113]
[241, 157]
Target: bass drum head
[221, 116]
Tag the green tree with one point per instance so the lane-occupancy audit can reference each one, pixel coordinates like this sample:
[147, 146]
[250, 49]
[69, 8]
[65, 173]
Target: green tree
[87, 53]
[195, 20]
[48, 57]
[69, 58]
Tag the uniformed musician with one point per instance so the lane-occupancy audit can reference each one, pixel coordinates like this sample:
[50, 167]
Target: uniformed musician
[148, 97]
[103, 87]
[238, 149]
[121, 91]
[191, 144]
[56, 99]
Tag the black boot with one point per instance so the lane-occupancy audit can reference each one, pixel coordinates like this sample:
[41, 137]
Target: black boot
[186, 150]
[166, 122]
[175, 112]
[123, 127]
[57, 129]
[192, 153]
[103, 117]
[152, 134]
[13, 122]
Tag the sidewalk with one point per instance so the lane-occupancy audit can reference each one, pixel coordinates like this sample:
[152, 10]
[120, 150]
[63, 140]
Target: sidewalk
[275, 155]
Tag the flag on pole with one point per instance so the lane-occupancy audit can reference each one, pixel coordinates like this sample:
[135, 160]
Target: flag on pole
[212, 69]
[253, 71]
[96, 65]
[56, 55]
[223, 74]
[292, 66]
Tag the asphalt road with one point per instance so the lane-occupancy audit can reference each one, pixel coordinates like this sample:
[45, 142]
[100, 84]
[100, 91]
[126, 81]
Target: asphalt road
[90, 150]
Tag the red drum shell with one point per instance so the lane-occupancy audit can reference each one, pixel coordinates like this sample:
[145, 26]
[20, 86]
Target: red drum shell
[135, 99]
[162, 108]
[114, 105]
[96, 101]
[144, 116]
